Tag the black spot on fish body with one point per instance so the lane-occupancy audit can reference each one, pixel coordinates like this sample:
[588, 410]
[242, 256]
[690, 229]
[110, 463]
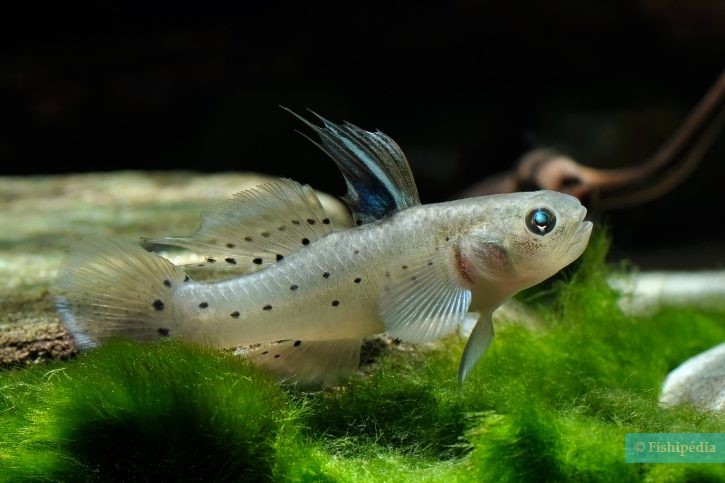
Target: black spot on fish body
[414, 278]
[235, 314]
[326, 275]
[310, 221]
[448, 238]
[357, 280]
[358, 222]
[356, 252]
[295, 222]
[282, 228]
[167, 283]
[267, 307]
[430, 263]
[186, 278]
[203, 305]
[294, 286]
[276, 356]
[265, 234]
[279, 257]
[230, 261]
[404, 267]
[265, 353]
[297, 343]
[335, 303]
[248, 238]
[230, 245]
[163, 331]
[211, 260]
[158, 305]
[305, 241]
[326, 221]
[257, 261]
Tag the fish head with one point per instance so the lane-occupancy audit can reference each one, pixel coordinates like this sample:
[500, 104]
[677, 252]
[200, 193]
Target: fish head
[531, 237]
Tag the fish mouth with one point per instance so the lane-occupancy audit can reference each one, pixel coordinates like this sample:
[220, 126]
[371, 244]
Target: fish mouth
[579, 238]
[584, 227]
[581, 214]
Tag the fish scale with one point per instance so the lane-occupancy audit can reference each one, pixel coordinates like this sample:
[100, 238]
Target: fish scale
[305, 295]
[310, 301]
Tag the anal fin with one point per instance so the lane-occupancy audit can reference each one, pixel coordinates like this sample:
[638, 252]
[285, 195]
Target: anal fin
[310, 361]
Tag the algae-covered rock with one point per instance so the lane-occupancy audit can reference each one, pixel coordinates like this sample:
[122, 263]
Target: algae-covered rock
[41, 217]
[699, 380]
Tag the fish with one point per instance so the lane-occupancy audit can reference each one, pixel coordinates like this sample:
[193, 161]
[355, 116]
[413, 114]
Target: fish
[307, 292]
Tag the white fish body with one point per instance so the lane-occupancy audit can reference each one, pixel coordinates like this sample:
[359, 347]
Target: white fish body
[413, 271]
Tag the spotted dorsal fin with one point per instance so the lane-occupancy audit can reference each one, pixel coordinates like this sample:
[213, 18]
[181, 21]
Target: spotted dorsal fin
[258, 227]
[378, 177]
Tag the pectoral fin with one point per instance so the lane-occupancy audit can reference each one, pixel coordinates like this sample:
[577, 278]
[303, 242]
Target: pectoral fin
[421, 301]
[477, 344]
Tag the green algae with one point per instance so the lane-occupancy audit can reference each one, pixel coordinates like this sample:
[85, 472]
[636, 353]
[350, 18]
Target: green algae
[552, 404]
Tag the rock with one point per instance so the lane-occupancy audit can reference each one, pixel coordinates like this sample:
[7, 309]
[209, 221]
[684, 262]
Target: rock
[699, 380]
[34, 343]
[42, 216]
[644, 292]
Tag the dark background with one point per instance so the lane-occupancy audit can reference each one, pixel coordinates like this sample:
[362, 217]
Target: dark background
[464, 88]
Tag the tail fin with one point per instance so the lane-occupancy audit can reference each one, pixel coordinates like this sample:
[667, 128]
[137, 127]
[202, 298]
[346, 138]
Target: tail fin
[112, 287]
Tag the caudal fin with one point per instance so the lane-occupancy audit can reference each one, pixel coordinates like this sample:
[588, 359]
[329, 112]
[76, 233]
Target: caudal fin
[113, 287]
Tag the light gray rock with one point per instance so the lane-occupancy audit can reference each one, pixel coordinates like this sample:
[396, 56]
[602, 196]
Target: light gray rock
[42, 216]
[645, 292]
[699, 380]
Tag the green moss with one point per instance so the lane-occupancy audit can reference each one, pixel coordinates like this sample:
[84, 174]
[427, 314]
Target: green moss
[553, 404]
[165, 412]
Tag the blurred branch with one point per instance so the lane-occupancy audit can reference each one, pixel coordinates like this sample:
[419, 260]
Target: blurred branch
[619, 188]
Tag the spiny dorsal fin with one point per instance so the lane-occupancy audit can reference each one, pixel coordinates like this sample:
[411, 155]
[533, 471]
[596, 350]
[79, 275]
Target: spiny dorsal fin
[378, 177]
[258, 226]
[421, 300]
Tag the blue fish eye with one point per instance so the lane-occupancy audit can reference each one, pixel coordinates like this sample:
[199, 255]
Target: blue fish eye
[540, 221]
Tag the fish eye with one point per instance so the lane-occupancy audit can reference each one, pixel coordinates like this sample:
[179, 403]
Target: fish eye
[540, 221]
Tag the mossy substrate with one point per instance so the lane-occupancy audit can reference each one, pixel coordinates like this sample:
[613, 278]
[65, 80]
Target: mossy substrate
[547, 405]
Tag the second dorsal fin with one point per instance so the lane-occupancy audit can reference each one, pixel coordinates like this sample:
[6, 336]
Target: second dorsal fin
[378, 177]
[258, 226]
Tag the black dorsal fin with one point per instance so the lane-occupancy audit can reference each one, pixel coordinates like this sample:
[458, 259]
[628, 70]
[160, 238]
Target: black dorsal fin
[378, 177]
